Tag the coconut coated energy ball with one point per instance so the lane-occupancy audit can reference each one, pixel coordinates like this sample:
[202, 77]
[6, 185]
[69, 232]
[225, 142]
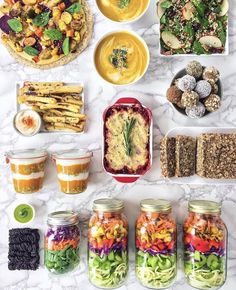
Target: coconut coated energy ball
[203, 88]
[186, 83]
[196, 112]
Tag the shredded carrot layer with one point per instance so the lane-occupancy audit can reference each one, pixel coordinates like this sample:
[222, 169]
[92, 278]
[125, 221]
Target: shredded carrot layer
[155, 231]
[107, 229]
[58, 246]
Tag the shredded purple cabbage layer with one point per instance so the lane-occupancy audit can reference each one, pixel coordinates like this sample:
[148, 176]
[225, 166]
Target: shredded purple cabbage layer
[217, 251]
[117, 247]
[63, 233]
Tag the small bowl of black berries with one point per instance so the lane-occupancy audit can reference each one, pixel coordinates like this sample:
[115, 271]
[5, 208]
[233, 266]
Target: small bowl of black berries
[196, 90]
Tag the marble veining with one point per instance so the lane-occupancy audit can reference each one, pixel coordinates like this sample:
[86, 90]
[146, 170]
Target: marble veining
[151, 91]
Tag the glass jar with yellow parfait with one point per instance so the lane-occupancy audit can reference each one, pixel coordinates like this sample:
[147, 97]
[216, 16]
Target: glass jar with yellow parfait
[156, 265]
[205, 245]
[27, 167]
[108, 244]
[73, 169]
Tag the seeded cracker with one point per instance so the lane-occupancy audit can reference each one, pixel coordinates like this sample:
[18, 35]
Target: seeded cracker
[185, 156]
[167, 149]
[216, 156]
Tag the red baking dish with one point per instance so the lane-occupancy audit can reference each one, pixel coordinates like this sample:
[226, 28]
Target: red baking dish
[124, 103]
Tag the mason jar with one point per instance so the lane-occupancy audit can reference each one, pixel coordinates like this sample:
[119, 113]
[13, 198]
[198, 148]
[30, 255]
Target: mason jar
[108, 244]
[155, 262]
[205, 245]
[61, 242]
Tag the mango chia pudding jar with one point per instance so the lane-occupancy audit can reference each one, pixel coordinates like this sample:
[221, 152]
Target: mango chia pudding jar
[73, 170]
[27, 167]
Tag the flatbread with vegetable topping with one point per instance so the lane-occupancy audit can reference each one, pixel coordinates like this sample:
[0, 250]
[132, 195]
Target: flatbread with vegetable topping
[45, 34]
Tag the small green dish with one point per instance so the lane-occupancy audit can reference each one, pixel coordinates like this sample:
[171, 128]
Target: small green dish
[24, 213]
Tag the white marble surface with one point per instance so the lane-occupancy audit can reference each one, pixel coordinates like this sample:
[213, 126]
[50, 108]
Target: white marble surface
[151, 91]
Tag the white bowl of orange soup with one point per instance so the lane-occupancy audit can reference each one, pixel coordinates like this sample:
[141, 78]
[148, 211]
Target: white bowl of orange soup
[123, 11]
[121, 57]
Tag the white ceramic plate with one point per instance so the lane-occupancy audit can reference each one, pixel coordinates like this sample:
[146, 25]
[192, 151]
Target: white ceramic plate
[20, 107]
[195, 132]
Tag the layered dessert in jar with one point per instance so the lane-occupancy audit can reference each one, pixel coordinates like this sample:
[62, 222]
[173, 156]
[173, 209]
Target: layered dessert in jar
[27, 167]
[73, 170]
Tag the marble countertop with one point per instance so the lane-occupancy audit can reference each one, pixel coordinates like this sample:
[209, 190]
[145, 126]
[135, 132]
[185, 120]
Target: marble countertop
[151, 91]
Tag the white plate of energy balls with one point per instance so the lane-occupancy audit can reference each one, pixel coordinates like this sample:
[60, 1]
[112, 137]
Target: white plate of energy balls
[196, 90]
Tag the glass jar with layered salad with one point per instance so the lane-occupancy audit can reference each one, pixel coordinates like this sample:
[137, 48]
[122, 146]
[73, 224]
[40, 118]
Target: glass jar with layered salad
[108, 244]
[61, 242]
[27, 167]
[73, 170]
[156, 263]
[205, 245]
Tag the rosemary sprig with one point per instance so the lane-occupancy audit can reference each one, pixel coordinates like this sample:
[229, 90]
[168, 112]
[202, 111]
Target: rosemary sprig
[129, 125]
[123, 3]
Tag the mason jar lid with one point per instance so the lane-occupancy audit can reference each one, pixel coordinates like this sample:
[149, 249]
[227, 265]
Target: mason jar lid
[152, 205]
[61, 218]
[26, 154]
[204, 206]
[72, 154]
[108, 204]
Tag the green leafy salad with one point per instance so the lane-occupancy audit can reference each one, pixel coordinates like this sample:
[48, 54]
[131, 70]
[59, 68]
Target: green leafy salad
[193, 26]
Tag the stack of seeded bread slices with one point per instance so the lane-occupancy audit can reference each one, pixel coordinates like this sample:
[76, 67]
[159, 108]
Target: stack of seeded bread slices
[178, 156]
[211, 155]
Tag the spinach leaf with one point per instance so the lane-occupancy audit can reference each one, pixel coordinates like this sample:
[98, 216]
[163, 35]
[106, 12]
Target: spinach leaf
[41, 19]
[74, 8]
[166, 4]
[197, 48]
[203, 21]
[177, 27]
[221, 32]
[15, 25]
[216, 9]
[66, 46]
[31, 50]
[200, 7]
[163, 19]
[189, 29]
[53, 34]
[223, 18]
